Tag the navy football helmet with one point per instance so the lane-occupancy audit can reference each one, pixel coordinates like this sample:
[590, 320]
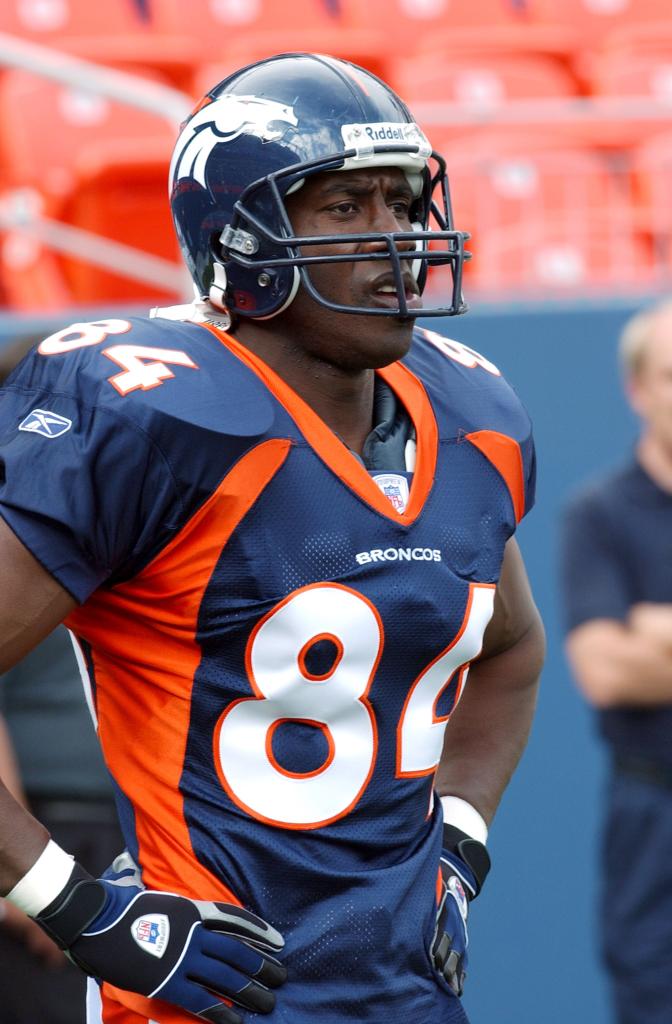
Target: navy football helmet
[255, 138]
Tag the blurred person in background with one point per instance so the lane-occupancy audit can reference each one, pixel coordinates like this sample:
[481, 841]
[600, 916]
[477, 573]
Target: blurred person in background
[51, 761]
[616, 563]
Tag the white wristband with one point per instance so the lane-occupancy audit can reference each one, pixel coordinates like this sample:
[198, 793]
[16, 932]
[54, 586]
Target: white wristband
[43, 882]
[462, 815]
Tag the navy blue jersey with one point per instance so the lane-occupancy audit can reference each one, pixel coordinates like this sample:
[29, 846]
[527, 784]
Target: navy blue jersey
[274, 639]
[616, 552]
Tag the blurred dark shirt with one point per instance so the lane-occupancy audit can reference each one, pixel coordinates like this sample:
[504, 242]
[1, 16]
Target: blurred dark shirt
[616, 550]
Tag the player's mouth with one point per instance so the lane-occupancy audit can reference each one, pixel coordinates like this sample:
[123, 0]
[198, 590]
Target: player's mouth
[383, 292]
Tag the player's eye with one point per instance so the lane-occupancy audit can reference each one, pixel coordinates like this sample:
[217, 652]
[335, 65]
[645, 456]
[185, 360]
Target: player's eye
[401, 208]
[344, 207]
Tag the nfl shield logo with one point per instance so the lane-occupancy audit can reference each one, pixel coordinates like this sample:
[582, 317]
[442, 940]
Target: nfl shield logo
[147, 932]
[457, 889]
[395, 488]
[151, 932]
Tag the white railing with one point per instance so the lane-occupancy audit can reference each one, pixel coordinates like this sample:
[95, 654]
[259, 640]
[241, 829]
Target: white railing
[547, 112]
[143, 93]
[19, 212]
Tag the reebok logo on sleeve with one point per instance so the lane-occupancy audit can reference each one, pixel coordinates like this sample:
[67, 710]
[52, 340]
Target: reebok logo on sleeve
[47, 424]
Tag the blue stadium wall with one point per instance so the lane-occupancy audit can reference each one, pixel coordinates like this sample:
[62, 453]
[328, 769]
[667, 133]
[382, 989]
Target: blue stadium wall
[533, 936]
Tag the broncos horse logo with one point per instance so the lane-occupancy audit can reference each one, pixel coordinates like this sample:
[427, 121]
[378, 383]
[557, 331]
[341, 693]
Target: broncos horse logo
[223, 120]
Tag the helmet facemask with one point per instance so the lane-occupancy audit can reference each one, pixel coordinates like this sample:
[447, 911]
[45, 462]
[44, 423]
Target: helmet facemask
[260, 238]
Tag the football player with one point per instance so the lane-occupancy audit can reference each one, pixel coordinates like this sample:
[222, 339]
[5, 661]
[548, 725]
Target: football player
[279, 525]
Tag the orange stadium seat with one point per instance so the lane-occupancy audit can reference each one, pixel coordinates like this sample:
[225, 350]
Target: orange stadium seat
[633, 65]
[125, 32]
[234, 32]
[591, 21]
[477, 150]
[481, 81]
[495, 189]
[637, 62]
[90, 163]
[664, 254]
[599, 26]
[635, 75]
[550, 194]
[640, 38]
[560, 256]
[452, 27]
[454, 128]
[652, 184]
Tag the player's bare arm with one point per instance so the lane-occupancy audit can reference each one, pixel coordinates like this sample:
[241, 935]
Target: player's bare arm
[22, 838]
[488, 731]
[9, 770]
[624, 663]
[11, 918]
[32, 602]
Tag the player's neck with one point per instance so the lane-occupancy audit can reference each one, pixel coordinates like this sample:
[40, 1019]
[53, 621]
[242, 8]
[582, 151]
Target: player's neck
[340, 397]
[656, 459]
[345, 405]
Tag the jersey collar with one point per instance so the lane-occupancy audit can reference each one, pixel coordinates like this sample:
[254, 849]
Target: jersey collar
[331, 450]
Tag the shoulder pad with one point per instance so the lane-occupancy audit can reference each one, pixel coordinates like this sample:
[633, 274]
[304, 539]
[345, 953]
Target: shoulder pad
[141, 369]
[459, 355]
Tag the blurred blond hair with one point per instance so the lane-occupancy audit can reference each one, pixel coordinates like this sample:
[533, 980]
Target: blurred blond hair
[636, 336]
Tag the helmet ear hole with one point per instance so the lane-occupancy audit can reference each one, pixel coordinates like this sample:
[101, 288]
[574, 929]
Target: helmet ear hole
[291, 294]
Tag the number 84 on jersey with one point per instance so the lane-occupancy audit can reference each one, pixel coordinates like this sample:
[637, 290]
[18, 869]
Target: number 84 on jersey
[335, 702]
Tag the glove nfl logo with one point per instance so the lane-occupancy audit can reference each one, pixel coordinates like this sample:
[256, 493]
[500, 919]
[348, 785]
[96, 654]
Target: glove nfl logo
[151, 933]
[457, 889]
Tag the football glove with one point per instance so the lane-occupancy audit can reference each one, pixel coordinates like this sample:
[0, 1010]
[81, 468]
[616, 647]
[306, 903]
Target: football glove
[464, 866]
[160, 945]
